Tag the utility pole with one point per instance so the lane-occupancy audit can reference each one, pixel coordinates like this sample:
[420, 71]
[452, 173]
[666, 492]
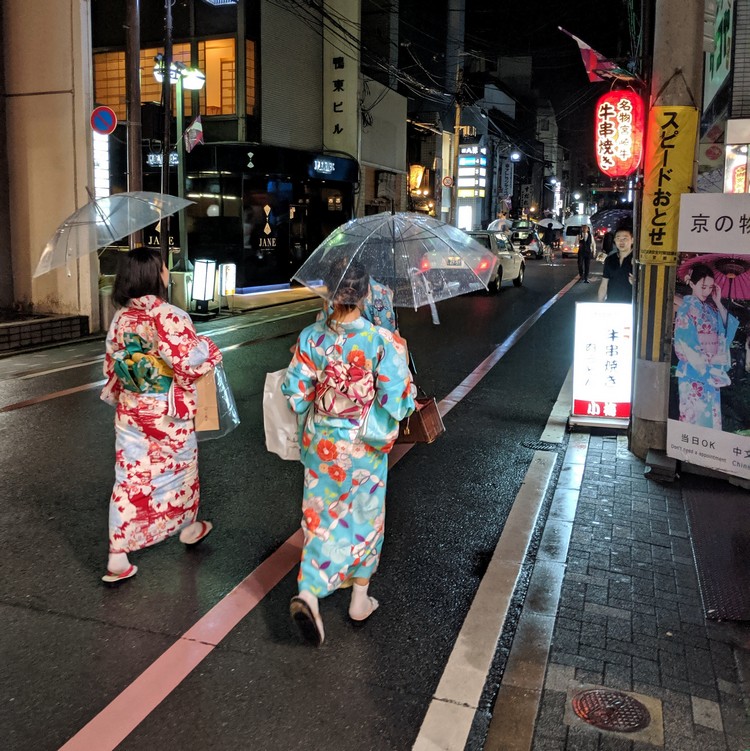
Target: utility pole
[676, 81]
[454, 150]
[454, 62]
[133, 87]
[166, 95]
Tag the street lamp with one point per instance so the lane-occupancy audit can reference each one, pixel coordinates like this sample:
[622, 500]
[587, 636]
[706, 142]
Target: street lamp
[184, 78]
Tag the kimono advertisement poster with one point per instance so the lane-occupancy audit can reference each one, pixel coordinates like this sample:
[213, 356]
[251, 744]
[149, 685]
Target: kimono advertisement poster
[709, 395]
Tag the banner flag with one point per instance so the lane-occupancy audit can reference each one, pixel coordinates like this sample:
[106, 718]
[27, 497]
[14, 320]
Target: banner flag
[598, 67]
[193, 134]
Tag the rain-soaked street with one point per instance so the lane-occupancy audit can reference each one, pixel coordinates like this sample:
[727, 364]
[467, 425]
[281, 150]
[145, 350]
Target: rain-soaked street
[170, 659]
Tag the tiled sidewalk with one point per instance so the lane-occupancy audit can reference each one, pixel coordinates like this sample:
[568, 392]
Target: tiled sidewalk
[630, 619]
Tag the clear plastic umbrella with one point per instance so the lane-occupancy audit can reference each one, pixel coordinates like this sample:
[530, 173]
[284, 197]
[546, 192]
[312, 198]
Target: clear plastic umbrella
[103, 221]
[421, 259]
[544, 223]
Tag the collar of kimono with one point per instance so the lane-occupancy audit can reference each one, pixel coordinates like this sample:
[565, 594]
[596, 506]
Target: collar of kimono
[147, 302]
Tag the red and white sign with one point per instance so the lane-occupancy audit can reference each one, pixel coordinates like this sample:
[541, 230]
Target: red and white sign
[448, 182]
[103, 120]
[602, 362]
[618, 132]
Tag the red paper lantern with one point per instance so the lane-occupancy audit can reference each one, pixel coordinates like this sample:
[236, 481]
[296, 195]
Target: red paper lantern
[618, 132]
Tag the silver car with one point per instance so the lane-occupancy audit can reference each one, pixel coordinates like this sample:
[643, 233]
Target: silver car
[511, 266]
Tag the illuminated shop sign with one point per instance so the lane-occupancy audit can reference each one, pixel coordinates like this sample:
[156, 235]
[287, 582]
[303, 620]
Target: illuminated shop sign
[324, 166]
[618, 129]
[602, 362]
[156, 160]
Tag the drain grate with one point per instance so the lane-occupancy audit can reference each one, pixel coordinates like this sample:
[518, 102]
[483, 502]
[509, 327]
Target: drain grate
[540, 445]
[611, 710]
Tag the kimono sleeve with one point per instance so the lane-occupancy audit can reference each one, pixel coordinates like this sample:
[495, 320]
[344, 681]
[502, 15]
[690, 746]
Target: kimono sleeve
[189, 355]
[393, 378]
[686, 344]
[301, 376]
[112, 388]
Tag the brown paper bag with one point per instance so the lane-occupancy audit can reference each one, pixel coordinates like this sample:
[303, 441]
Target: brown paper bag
[207, 413]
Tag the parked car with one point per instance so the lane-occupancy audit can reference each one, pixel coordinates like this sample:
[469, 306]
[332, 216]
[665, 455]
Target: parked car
[511, 266]
[528, 243]
[572, 232]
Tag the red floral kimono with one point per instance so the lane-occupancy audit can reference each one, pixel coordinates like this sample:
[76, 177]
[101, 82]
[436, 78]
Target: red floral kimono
[153, 358]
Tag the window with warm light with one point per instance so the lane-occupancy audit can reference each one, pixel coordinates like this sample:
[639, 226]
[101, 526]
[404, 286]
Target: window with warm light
[215, 57]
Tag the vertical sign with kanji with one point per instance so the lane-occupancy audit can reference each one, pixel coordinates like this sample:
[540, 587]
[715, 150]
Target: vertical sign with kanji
[341, 25]
[602, 363]
[670, 153]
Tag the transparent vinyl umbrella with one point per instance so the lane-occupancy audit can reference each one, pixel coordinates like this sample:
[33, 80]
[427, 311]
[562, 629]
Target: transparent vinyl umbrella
[103, 221]
[422, 260]
[544, 223]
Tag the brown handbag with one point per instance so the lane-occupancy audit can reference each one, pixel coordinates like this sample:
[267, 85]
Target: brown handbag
[423, 425]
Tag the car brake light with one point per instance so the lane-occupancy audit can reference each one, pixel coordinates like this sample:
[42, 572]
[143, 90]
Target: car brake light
[483, 265]
[425, 265]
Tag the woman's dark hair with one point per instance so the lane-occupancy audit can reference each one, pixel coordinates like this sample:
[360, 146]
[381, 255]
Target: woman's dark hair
[138, 274]
[700, 271]
[349, 282]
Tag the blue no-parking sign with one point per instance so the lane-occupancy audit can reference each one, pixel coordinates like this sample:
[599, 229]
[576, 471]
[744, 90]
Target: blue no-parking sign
[103, 120]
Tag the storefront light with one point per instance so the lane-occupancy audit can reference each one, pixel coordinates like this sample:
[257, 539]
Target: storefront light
[227, 279]
[204, 280]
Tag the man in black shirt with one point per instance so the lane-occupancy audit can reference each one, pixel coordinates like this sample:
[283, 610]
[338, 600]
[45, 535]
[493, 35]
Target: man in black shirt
[617, 282]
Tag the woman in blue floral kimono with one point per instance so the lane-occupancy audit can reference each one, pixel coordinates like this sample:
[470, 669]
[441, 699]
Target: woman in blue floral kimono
[351, 381]
[703, 333]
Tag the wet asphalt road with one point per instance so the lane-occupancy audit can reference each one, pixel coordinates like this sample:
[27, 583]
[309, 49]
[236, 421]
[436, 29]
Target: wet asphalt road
[70, 645]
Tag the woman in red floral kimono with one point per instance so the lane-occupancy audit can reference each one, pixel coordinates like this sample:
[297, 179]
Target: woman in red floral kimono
[153, 358]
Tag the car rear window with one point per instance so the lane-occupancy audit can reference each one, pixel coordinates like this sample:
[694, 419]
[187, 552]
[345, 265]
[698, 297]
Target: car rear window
[482, 240]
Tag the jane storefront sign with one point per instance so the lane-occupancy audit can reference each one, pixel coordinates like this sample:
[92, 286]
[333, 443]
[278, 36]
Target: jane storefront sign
[602, 363]
[618, 130]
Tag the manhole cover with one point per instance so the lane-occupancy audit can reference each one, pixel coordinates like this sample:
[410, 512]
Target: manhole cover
[611, 710]
[540, 445]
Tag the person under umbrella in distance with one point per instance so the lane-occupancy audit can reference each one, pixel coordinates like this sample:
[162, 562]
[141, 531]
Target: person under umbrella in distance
[153, 358]
[351, 381]
[617, 276]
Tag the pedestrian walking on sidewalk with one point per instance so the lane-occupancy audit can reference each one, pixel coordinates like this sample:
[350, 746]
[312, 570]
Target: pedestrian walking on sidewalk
[153, 358]
[351, 381]
[585, 251]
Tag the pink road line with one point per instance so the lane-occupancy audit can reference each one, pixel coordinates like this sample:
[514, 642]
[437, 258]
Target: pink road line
[126, 711]
[119, 718]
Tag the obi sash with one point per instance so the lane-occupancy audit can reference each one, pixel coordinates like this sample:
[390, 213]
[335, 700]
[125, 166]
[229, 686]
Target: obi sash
[139, 369]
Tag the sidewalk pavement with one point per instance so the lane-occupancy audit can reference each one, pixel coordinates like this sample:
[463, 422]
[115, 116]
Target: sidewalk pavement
[616, 549]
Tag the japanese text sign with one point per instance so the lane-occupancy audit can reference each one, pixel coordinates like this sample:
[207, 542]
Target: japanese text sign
[618, 130]
[602, 360]
[713, 221]
[341, 76]
[670, 153]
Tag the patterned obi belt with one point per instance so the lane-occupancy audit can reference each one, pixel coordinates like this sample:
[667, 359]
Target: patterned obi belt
[139, 369]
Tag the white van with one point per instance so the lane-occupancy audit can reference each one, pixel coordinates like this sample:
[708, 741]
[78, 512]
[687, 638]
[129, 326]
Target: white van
[571, 231]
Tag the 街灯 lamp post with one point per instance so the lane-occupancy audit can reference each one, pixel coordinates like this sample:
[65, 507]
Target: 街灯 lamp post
[190, 79]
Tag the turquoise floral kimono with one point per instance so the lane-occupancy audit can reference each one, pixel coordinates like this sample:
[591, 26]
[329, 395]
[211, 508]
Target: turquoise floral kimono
[352, 385]
[701, 343]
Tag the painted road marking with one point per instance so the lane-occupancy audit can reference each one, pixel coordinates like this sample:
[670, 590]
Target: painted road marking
[124, 713]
